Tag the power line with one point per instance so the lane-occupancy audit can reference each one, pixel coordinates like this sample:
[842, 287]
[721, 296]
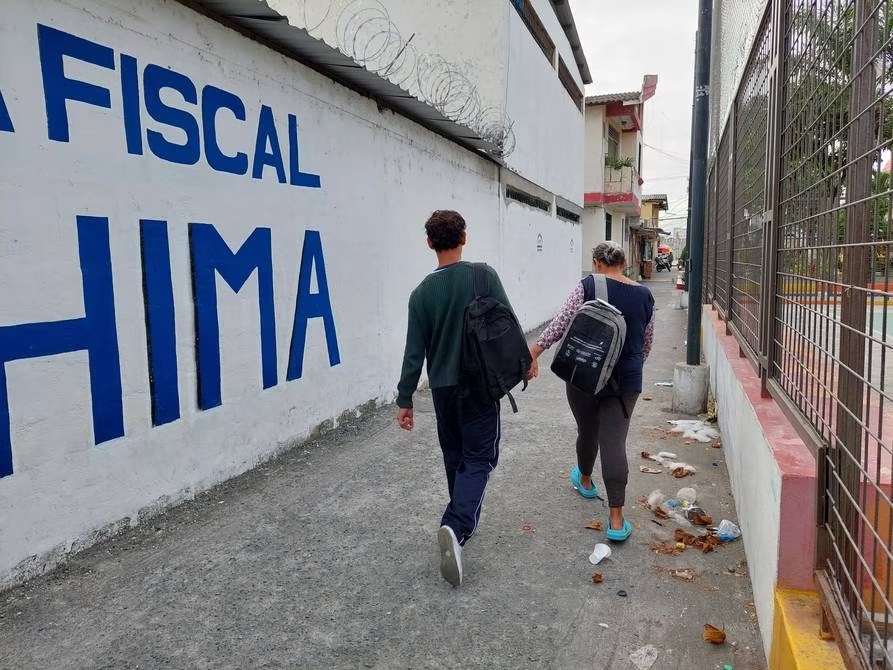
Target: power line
[666, 153]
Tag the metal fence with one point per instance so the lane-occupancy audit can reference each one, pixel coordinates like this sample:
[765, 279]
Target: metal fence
[724, 197]
[800, 234]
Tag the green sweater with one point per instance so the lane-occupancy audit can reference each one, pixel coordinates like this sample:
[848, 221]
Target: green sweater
[434, 332]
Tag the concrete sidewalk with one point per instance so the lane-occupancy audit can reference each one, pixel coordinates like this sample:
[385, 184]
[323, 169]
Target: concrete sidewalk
[327, 558]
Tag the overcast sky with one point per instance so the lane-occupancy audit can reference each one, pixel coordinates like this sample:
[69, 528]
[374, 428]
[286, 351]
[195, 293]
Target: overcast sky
[626, 40]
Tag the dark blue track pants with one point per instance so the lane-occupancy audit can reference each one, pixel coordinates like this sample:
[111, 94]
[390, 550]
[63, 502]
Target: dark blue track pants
[469, 429]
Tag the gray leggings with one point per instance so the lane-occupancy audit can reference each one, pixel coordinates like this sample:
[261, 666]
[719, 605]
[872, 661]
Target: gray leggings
[600, 423]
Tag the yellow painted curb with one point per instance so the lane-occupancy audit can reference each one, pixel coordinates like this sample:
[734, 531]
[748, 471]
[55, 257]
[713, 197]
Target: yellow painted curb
[795, 634]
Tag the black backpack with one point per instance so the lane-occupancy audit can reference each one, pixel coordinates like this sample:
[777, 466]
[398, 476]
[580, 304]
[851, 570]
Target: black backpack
[495, 356]
[593, 341]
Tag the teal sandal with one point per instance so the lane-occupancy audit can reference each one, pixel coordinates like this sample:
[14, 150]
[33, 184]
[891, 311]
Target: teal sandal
[621, 535]
[575, 482]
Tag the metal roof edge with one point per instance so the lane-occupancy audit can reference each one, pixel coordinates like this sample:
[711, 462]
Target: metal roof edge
[569, 25]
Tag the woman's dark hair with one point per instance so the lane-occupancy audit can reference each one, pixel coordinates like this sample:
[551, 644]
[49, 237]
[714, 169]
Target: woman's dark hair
[609, 253]
[445, 229]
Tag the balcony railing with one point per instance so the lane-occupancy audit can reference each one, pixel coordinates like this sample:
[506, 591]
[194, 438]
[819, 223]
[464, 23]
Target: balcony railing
[623, 180]
[652, 222]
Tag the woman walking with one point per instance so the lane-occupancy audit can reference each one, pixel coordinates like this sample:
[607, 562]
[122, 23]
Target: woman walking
[603, 419]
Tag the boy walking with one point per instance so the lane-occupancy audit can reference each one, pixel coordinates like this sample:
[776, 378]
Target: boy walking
[467, 422]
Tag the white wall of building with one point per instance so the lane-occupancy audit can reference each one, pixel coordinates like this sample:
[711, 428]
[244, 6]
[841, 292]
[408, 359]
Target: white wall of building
[593, 234]
[537, 260]
[630, 141]
[594, 163]
[377, 174]
[471, 36]
[489, 45]
[544, 10]
[547, 124]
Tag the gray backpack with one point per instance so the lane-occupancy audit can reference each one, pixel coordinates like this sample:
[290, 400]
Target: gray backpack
[593, 341]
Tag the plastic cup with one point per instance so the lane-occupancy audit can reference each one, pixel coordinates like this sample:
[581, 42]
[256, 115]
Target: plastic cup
[601, 551]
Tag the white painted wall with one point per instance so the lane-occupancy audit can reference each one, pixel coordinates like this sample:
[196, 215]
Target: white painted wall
[378, 173]
[547, 125]
[538, 254]
[593, 234]
[755, 478]
[470, 35]
[547, 15]
[594, 165]
[490, 46]
[629, 145]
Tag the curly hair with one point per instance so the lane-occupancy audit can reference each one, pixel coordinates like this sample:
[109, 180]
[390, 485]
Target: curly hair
[445, 229]
[609, 253]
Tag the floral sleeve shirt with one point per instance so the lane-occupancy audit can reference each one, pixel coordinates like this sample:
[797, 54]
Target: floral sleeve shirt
[555, 330]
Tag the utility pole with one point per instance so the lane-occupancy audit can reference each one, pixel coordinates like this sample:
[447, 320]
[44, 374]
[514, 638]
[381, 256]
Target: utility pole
[691, 154]
[690, 379]
[698, 180]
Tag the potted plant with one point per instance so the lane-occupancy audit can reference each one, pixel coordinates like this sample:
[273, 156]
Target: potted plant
[618, 163]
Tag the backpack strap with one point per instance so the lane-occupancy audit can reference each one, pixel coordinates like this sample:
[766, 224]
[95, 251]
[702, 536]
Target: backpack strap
[481, 281]
[588, 288]
[601, 286]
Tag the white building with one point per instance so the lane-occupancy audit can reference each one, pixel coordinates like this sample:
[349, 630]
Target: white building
[613, 167]
[210, 223]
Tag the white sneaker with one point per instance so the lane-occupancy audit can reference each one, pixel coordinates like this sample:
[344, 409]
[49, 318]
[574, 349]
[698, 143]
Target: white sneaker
[450, 555]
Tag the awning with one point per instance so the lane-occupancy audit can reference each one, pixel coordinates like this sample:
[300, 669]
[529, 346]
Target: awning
[645, 231]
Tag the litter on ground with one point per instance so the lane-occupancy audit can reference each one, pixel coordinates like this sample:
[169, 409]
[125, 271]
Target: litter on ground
[644, 657]
[713, 634]
[662, 457]
[694, 429]
[706, 542]
[687, 494]
[728, 531]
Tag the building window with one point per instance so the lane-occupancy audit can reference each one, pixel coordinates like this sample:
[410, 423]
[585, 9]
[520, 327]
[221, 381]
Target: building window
[567, 80]
[528, 199]
[609, 224]
[536, 28]
[613, 142]
[567, 214]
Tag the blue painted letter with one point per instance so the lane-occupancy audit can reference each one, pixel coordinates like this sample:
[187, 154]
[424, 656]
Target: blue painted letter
[213, 100]
[5, 119]
[54, 45]
[130, 101]
[266, 134]
[311, 305]
[298, 178]
[161, 336]
[156, 78]
[95, 332]
[211, 256]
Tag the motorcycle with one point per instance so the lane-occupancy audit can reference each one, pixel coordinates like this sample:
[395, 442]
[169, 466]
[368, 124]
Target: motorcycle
[662, 262]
